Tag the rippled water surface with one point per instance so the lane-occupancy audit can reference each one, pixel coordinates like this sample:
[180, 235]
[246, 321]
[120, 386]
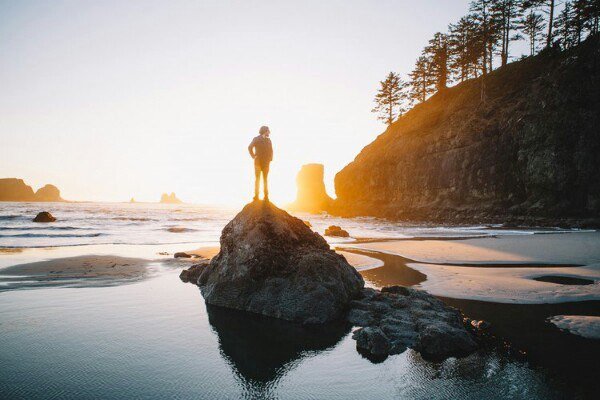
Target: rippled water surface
[156, 339]
[146, 223]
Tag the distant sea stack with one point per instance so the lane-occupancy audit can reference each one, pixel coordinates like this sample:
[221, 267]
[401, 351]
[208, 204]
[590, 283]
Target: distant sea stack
[169, 199]
[312, 196]
[13, 189]
[529, 154]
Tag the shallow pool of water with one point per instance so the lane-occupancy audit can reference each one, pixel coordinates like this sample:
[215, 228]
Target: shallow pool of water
[156, 339]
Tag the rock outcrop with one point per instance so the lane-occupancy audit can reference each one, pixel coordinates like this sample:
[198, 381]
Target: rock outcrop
[312, 196]
[397, 318]
[335, 230]
[48, 193]
[529, 154]
[193, 273]
[13, 189]
[169, 199]
[44, 216]
[271, 263]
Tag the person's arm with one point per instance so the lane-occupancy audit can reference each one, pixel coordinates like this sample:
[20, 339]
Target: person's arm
[270, 150]
[251, 149]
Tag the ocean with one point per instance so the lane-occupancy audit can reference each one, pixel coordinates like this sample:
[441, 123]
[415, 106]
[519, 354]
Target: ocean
[154, 224]
[156, 338]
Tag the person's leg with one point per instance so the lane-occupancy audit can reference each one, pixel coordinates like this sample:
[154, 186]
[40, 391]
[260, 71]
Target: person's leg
[256, 180]
[265, 172]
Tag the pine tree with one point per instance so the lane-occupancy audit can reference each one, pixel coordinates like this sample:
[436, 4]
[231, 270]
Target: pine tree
[421, 81]
[532, 25]
[389, 101]
[548, 7]
[482, 15]
[507, 13]
[565, 26]
[587, 14]
[463, 54]
[436, 54]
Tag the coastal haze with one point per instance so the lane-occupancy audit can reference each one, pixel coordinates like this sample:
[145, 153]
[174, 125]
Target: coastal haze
[429, 233]
[132, 99]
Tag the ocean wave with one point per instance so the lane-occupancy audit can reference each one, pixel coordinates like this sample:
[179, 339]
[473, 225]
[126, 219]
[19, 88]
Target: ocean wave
[179, 229]
[8, 217]
[41, 235]
[41, 228]
[134, 219]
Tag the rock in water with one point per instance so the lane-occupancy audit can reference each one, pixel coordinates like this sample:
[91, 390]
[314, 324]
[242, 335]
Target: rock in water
[312, 196]
[48, 193]
[335, 230]
[44, 216]
[169, 199]
[397, 317]
[271, 263]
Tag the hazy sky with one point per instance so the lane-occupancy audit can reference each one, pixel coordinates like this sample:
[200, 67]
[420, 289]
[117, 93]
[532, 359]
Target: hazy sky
[117, 99]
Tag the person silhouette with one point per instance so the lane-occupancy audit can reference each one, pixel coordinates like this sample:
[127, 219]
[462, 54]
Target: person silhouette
[261, 150]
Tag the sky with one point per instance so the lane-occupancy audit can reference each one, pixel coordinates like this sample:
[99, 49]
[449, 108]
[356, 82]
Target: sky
[110, 100]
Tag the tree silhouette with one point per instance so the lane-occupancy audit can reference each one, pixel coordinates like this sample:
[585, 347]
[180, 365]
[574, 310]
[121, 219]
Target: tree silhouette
[463, 56]
[532, 26]
[421, 81]
[390, 98]
[436, 54]
[566, 26]
[547, 6]
[507, 13]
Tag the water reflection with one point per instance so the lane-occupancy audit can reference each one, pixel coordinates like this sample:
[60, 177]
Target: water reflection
[262, 350]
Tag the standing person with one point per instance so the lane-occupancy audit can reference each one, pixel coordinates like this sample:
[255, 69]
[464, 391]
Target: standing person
[261, 150]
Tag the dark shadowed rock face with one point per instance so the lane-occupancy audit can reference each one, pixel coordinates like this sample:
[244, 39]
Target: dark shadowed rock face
[271, 263]
[397, 318]
[529, 154]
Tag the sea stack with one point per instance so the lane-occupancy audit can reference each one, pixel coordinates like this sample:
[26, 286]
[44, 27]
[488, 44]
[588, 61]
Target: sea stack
[13, 189]
[169, 199]
[312, 196]
[272, 264]
[48, 193]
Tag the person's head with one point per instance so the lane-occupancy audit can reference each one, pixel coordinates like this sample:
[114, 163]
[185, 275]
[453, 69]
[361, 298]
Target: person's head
[264, 131]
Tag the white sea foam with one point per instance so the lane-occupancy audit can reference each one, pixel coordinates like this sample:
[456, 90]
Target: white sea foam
[146, 223]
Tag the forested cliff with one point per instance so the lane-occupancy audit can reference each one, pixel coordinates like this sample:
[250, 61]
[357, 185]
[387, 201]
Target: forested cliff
[527, 152]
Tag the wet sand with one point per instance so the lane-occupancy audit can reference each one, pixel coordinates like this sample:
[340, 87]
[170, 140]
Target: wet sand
[520, 269]
[549, 249]
[564, 347]
[80, 271]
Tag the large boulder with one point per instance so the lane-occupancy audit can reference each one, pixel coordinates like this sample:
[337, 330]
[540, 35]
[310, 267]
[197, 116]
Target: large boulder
[44, 216]
[271, 263]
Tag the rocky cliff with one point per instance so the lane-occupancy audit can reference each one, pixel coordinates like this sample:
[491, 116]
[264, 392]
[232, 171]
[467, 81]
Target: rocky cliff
[312, 196]
[528, 154]
[13, 189]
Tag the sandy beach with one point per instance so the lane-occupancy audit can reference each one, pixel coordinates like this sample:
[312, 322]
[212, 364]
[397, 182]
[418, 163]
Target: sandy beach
[529, 269]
